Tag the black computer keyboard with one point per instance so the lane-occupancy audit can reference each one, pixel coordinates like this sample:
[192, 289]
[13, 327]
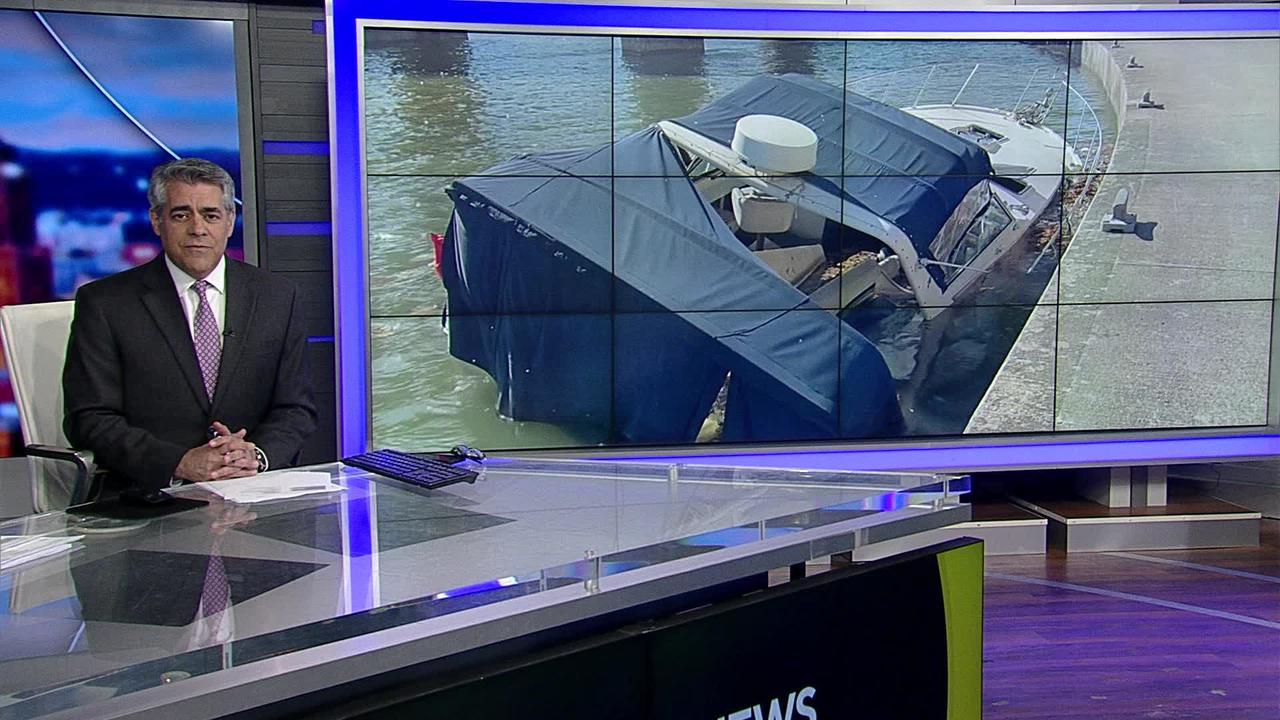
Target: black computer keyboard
[426, 472]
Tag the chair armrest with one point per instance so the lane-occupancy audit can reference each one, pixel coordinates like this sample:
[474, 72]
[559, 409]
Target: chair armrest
[83, 460]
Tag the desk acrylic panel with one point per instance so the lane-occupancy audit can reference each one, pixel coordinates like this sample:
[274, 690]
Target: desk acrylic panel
[191, 605]
[571, 242]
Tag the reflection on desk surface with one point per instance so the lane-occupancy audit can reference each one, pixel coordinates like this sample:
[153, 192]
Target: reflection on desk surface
[145, 602]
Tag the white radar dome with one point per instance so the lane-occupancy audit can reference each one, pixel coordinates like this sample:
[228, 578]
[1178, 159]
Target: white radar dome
[770, 142]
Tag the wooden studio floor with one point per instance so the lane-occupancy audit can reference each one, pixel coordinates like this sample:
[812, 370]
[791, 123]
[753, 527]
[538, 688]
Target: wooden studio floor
[1141, 635]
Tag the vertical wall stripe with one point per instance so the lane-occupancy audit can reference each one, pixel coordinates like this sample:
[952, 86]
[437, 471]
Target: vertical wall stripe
[960, 572]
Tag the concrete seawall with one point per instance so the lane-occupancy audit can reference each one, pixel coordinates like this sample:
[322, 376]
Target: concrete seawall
[1096, 58]
[1168, 327]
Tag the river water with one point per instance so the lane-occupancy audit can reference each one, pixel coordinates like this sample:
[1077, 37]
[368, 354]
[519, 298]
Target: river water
[440, 106]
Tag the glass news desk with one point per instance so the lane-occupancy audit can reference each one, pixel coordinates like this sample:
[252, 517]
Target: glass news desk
[329, 589]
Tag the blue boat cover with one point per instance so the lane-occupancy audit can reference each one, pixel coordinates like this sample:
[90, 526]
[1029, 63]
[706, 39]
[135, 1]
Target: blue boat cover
[598, 288]
[902, 168]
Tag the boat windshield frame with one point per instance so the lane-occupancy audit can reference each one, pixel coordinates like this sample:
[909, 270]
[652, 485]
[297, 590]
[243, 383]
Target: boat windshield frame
[955, 267]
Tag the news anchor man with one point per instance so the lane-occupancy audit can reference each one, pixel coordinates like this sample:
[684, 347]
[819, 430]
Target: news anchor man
[190, 367]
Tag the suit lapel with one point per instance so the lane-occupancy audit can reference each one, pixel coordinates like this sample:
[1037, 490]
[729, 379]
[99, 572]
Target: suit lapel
[161, 300]
[242, 301]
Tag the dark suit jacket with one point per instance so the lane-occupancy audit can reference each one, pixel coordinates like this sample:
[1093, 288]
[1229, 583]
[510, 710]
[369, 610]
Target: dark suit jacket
[132, 387]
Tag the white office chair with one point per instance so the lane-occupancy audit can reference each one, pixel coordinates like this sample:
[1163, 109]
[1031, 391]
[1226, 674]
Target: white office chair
[35, 348]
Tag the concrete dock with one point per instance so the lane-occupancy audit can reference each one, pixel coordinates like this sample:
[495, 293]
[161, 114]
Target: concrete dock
[1169, 326]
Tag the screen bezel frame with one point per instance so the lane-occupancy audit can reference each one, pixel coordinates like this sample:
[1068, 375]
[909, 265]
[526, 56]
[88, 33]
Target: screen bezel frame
[347, 20]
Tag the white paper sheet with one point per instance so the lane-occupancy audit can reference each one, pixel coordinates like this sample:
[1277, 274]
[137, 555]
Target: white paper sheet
[275, 485]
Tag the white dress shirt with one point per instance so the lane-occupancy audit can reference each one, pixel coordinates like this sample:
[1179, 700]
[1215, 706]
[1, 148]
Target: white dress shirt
[216, 294]
[184, 284]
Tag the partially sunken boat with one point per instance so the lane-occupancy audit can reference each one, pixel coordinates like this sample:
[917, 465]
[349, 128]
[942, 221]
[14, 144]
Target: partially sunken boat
[619, 286]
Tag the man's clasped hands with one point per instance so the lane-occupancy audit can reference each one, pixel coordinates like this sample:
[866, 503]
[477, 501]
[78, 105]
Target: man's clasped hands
[226, 455]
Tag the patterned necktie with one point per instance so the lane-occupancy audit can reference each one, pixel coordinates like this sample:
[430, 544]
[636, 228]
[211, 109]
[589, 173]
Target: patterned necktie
[216, 595]
[207, 338]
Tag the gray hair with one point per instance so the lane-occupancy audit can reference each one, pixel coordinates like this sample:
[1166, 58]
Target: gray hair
[191, 171]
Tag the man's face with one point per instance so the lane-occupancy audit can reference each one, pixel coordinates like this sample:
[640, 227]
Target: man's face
[193, 227]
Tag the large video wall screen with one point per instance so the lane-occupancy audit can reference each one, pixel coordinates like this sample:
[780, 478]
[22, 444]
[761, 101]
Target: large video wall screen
[581, 240]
